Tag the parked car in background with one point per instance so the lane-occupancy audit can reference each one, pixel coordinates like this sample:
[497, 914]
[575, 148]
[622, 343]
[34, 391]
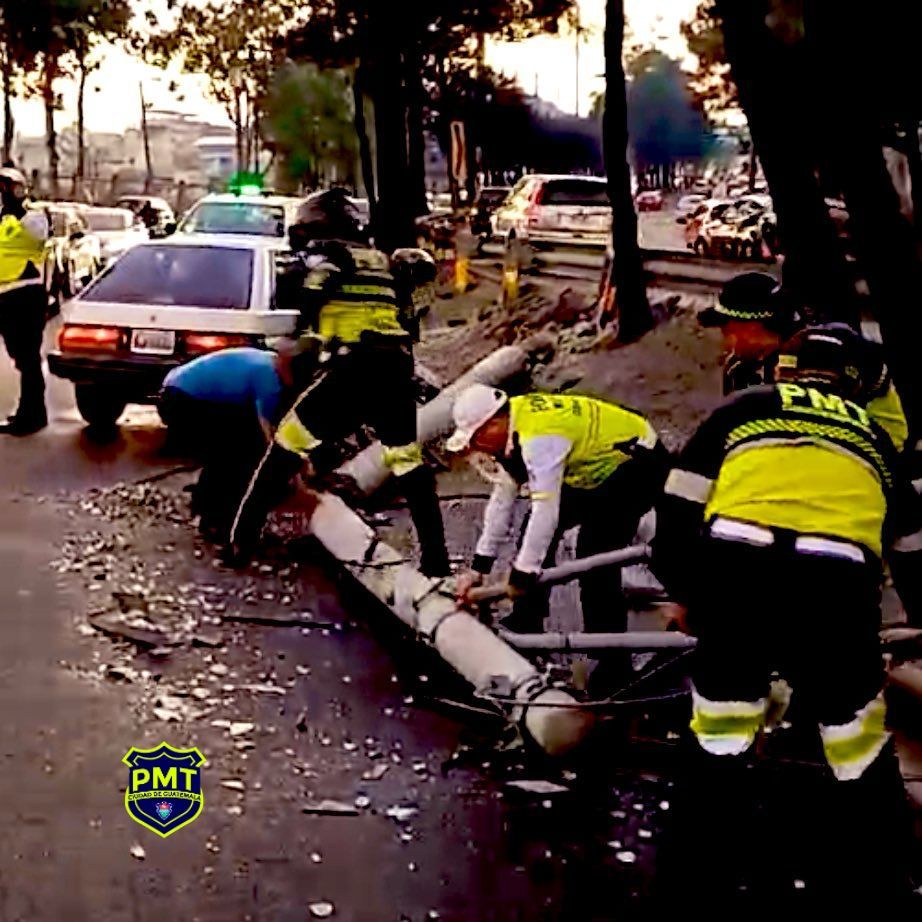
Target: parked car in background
[686, 205]
[708, 210]
[485, 204]
[241, 215]
[117, 229]
[76, 255]
[546, 210]
[155, 213]
[651, 200]
[731, 229]
[162, 304]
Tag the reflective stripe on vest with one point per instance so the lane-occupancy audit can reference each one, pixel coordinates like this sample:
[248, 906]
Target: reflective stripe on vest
[18, 248]
[364, 302]
[603, 434]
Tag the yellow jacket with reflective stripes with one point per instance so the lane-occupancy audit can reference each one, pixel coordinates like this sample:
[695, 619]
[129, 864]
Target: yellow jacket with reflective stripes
[365, 300]
[603, 434]
[791, 456]
[18, 248]
[887, 411]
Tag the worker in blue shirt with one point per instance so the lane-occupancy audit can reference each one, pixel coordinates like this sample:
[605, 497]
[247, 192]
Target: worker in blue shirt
[220, 409]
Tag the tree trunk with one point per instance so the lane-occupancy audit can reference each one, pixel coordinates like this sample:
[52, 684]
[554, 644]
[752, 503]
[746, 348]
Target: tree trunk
[627, 272]
[395, 227]
[884, 242]
[774, 79]
[9, 126]
[365, 155]
[80, 172]
[51, 137]
[416, 133]
[914, 157]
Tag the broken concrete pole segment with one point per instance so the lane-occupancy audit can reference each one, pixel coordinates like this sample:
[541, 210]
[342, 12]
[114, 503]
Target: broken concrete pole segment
[471, 648]
[434, 418]
[578, 642]
[623, 557]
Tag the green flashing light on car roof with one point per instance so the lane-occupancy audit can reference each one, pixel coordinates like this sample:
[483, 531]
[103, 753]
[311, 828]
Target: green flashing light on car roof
[244, 183]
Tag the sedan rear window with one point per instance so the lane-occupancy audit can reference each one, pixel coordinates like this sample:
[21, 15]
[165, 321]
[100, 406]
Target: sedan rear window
[575, 192]
[235, 218]
[178, 276]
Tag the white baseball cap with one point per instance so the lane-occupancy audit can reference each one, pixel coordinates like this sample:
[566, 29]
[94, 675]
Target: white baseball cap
[474, 407]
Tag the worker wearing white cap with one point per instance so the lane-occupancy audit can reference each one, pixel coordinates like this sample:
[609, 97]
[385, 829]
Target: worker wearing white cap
[585, 462]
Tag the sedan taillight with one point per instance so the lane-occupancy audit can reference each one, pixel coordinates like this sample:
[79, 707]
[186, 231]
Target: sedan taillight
[81, 338]
[201, 343]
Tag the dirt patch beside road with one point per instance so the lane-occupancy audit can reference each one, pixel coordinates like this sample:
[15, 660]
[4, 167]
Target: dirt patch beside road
[672, 374]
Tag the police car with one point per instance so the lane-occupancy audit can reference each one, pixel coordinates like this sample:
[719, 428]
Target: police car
[160, 305]
[245, 213]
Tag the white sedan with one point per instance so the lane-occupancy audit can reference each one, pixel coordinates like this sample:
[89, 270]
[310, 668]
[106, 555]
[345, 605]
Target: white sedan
[162, 304]
[117, 229]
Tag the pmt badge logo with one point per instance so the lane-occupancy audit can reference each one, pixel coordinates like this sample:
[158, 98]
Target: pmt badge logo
[164, 790]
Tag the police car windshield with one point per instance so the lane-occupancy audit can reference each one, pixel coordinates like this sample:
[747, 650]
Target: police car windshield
[178, 276]
[249, 218]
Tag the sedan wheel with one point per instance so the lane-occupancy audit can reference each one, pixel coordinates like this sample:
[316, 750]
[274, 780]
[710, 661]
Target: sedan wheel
[99, 408]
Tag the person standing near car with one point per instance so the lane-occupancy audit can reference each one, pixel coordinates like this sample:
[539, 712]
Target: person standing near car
[357, 316]
[23, 299]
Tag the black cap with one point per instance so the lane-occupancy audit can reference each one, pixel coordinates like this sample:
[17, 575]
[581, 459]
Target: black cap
[753, 297]
[830, 352]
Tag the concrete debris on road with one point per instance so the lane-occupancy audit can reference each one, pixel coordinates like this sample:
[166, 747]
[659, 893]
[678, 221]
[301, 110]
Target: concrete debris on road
[376, 773]
[538, 786]
[402, 813]
[137, 851]
[329, 807]
[322, 910]
[136, 630]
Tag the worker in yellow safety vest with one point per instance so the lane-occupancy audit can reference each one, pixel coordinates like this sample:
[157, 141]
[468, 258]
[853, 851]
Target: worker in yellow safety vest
[585, 462]
[357, 316]
[23, 299]
[756, 320]
[770, 536]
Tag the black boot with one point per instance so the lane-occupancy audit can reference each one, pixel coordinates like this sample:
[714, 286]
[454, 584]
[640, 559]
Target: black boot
[24, 425]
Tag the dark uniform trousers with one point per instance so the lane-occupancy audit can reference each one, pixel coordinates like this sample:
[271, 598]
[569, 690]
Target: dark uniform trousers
[367, 383]
[23, 312]
[204, 429]
[607, 517]
[815, 620]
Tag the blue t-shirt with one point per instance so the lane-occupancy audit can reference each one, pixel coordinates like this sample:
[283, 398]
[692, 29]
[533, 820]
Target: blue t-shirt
[232, 376]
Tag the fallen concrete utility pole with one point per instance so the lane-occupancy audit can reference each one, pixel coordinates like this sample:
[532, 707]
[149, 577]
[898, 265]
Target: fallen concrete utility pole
[623, 557]
[434, 418]
[550, 716]
[578, 642]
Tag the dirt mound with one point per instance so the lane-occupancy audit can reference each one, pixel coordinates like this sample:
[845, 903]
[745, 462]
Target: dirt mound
[672, 374]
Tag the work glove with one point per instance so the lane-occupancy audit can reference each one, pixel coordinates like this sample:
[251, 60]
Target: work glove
[521, 583]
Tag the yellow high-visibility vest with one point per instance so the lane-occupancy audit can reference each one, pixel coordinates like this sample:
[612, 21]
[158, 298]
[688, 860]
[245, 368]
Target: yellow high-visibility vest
[18, 248]
[603, 434]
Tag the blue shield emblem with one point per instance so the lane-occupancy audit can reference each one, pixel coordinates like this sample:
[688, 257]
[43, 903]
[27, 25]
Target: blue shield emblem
[164, 790]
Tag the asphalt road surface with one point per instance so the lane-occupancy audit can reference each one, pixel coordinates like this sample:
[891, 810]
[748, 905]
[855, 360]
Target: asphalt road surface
[286, 717]
[343, 779]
